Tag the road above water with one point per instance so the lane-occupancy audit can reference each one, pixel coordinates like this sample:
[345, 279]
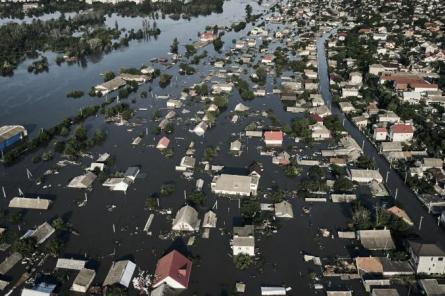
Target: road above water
[429, 230]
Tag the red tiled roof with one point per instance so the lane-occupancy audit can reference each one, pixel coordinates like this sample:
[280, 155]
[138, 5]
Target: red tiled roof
[402, 128]
[173, 265]
[207, 35]
[164, 141]
[402, 79]
[273, 136]
[380, 130]
[316, 117]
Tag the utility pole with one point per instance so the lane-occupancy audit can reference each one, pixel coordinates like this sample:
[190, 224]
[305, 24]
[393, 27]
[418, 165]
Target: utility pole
[387, 175]
[406, 176]
[420, 223]
[397, 191]
[28, 174]
[363, 144]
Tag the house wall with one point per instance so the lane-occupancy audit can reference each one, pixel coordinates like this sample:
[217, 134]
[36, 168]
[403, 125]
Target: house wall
[243, 250]
[182, 227]
[380, 136]
[401, 137]
[273, 142]
[229, 192]
[170, 282]
[431, 265]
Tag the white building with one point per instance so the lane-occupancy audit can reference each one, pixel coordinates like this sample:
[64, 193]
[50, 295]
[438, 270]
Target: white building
[226, 184]
[284, 210]
[401, 133]
[243, 245]
[380, 134]
[349, 92]
[83, 280]
[355, 78]
[427, 258]
[121, 273]
[346, 107]
[365, 176]
[186, 220]
[320, 132]
[200, 129]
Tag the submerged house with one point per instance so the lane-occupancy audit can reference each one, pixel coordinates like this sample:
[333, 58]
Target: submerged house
[284, 210]
[427, 258]
[163, 143]
[209, 220]
[186, 220]
[83, 181]
[376, 239]
[11, 134]
[235, 185]
[117, 184]
[121, 273]
[273, 138]
[30, 203]
[41, 233]
[110, 86]
[200, 129]
[173, 269]
[243, 241]
[83, 280]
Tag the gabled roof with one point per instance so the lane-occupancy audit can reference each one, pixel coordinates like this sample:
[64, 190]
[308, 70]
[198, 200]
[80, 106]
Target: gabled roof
[402, 128]
[120, 272]
[163, 142]
[175, 266]
[426, 249]
[273, 136]
[376, 239]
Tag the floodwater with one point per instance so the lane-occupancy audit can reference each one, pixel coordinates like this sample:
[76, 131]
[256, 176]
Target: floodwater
[23, 94]
[40, 101]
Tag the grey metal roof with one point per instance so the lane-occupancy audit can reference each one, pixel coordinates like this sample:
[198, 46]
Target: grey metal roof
[432, 287]
[376, 239]
[426, 249]
[10, 262]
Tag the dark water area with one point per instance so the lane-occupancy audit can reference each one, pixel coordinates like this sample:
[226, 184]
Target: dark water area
[39, 101]
[23, 94]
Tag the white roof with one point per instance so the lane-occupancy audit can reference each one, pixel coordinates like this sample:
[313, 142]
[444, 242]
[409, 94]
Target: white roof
[366, 174]
[209, 220]
[120, 272]
[233, 183]
[31, 292]
[73, 264]
[186, 215]
[241, 241]
[83, 181]
[284, 210]
[29, 203]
